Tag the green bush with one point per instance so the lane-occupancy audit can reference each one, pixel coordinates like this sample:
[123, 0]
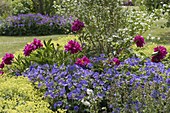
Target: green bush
[21, 7]
[5, 8]
[17, 95]
[102, 21]
[155, 4]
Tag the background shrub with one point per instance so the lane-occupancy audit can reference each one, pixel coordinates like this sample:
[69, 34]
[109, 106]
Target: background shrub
[22, 7]
[155, 4]
[5, 8]
[102, 21]
[35, 24]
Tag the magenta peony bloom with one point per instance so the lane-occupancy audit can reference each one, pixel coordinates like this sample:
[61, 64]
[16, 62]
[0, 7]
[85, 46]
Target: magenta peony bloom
[33, 46]
[1, 72]
[82, 61]
[28, 49]
[161, 53]
[77, 25]
[37, 44]
[73, 47]
[7, 59]
[116, 61]
[155, 59]
[2, 65]
[139, 40]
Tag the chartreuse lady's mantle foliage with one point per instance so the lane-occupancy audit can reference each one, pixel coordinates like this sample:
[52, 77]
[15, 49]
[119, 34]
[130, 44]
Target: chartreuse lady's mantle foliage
[17, 95]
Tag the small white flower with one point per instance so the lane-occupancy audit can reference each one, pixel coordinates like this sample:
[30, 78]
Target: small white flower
[89, 91]
[86, 103]
[152, 38]
[158, 38]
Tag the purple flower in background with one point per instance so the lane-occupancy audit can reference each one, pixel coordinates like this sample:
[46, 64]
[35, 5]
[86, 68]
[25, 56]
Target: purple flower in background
[7, 59]
[73, 47]
[82, 61]
[77, 25]
[116, 61]
[139, 40]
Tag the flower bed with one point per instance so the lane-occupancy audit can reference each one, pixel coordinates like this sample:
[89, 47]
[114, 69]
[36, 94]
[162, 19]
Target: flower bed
[87, 84]
[35, 24]
[98, 73]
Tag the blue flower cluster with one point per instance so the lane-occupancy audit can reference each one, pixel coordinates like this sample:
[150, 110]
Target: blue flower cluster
[75, 88]
[35, 24]
[68, 83]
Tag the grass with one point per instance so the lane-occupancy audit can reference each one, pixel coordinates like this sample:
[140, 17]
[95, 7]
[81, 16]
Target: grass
[157, 31]
[11, 44]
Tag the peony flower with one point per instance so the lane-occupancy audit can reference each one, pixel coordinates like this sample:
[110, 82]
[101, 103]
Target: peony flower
[73, 47]
[7, 59]
[160, 54]
[28, 49]
[33, 46]
[37, 44]
[82, 61]
[139, 40]
[155, 59]
[1, 72]
[2, 65]
[116, 61]
[77, 25]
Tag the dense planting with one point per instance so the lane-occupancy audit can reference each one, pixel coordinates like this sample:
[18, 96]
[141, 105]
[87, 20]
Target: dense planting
[96, 83]
[35, 24]
[98, 73]
[76, 86]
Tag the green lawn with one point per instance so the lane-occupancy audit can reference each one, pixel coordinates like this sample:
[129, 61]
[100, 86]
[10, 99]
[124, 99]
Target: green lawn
[157, 31]
[12, 44]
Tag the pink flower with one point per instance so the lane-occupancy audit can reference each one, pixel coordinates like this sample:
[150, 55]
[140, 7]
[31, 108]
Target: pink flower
[77, 25]
[28, 49]
[161, 53]
[155, 59]
[1, 72]
[116, 61]
[33, 46]
[82, 61]
[7, 59]
[2, 65]
[37, 44]
[73, 47]
[139, 40]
